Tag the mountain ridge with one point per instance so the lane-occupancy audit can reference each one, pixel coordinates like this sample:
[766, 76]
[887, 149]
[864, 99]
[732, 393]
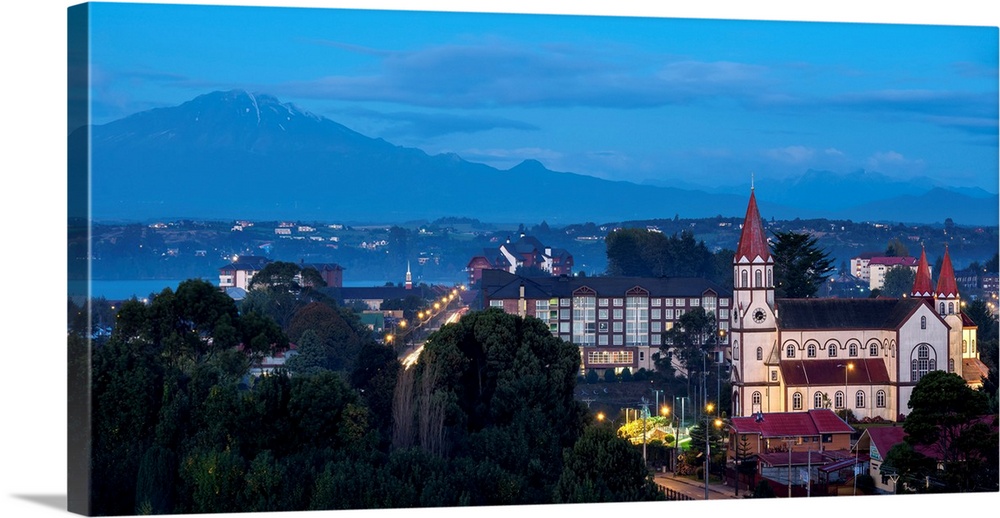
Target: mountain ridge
[237, 154]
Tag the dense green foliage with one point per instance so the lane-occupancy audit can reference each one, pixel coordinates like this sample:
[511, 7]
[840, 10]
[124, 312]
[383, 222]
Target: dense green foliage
[800, 266]
[637, 252]
[487, 417]
[949, 423]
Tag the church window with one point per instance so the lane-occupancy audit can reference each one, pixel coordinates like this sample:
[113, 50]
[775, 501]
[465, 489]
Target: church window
[774, 375]
[921, 362]
[832, 350]
[923, 322]
[770, 280]
[811, 350]
[818, 400]
[797, 401]
[852, 350]
[965, 346]
[951, 308]
[873, 349]
[790, 351]
[760, 354]
[758, 279]
[880, 399]
[755, 399]
[941, 308]
[744, 276]
[838, 399]
[951, 365]
[859, 399]
[736, 353]
[973, 351]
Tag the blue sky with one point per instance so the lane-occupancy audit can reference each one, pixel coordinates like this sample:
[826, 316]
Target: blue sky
[674, 101]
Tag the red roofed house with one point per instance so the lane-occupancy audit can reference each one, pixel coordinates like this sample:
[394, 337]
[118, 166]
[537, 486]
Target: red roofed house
[795, 450]
[862, 355]
[527, 251]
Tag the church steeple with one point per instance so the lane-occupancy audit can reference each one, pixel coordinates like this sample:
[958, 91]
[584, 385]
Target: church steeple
[753, 241]
[922, 283]
[409, 278]
[947, 288]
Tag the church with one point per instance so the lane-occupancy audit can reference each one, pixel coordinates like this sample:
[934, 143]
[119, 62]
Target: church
[863, 355]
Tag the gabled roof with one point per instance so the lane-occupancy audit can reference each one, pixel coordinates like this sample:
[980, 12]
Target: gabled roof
[947, 288]
[865, 371]
[498, 284]
[753, 241]
[792, 424]
[922, 284]
[812, 314]
[974, 370]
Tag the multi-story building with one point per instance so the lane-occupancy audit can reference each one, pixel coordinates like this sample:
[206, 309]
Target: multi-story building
[238, 273]
[617, 322]
[879, 266]
[526, 252]
[863, 355]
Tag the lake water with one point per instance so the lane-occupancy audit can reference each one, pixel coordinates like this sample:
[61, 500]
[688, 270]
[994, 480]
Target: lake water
[140, 289]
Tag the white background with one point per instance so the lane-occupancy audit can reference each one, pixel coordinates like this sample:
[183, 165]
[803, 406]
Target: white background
[33, 223]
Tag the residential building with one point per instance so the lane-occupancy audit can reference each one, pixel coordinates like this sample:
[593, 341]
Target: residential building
[618, 322]
[862, 355]
[526, 252]
[238, 273]
[879, 266]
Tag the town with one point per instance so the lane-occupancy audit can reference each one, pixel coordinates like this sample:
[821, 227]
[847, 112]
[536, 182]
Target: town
[726, 380]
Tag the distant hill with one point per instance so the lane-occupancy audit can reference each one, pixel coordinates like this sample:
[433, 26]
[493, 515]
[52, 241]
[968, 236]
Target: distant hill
[230, 155]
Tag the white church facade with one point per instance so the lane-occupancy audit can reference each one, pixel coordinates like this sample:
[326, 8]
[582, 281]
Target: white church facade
[863, 355]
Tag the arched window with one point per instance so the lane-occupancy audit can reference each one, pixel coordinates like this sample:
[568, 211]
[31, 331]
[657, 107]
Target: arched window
[831, 350]
[743, 278]
[965, 346]
[838, 399]
[818, 400]
[736, 353]
[859, 399]
[951, 308]
[811, 350]
[755, 399]
[921, 362]
[790, 351]
[951, 365]
[758, 279]
[873, 349]
[770, 278]
[923, 322]
[880, 399]
[760, 354]
[797, 401]
[852, 350]
[941, 308]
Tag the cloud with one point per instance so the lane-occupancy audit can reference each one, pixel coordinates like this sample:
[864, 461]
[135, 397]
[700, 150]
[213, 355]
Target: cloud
[893, 162]
[502, 74]
[424, 125]
[791, 154]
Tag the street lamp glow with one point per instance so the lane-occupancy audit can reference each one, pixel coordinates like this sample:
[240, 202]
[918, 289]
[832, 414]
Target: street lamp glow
[664, 411]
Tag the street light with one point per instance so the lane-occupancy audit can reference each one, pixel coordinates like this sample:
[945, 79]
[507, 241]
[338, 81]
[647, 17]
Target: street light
[847, 368]
[708, 410]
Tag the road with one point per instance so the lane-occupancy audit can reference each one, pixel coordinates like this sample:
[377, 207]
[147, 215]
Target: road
[410, 356]
[693, 488]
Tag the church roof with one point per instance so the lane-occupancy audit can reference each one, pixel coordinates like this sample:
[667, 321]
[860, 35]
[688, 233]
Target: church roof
[844, 313]
[974, 370]
[866, 371]
[947, 288]
[791, 424]
[753, 241]
[922, 284]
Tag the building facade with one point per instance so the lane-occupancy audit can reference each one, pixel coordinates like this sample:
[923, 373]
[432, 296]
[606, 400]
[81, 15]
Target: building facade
[617, 322]
[862, 355]
[526, 252]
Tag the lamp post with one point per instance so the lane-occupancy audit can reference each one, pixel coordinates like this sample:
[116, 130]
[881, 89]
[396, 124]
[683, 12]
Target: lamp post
[847, 368]
[708, 454]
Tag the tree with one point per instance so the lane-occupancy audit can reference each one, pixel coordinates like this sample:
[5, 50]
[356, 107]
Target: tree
[690, 340]
[799, 265]
[896, 248]
[898, 281]
[949, 417]
[601, 467]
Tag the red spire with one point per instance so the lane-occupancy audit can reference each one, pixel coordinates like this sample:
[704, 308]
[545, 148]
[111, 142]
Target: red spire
[947, 288]
[753, 242]
[922, 284]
